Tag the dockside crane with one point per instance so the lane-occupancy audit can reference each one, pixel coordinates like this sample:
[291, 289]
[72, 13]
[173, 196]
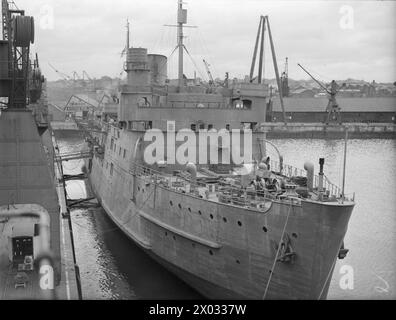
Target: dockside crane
[333, 110]
[63, 75]
[207, 65]
[264, 23]
[85, 76]
[75, 76]
[18, 35]
[285, 80]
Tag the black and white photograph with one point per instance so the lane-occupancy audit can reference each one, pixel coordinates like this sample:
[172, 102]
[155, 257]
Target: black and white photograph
[215, 151]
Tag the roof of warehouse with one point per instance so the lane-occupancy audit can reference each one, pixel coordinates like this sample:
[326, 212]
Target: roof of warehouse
[376, 104]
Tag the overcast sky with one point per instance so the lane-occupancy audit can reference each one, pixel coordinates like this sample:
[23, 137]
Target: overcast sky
[333, 39]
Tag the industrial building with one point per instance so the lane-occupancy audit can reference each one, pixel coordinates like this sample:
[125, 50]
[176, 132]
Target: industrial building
[375, 109]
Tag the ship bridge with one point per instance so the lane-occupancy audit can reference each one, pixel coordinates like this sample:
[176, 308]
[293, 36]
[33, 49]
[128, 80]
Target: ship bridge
[143, 101]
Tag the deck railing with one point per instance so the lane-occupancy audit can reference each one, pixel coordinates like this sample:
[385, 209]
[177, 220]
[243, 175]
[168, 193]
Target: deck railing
[226, 191]
[290, 171]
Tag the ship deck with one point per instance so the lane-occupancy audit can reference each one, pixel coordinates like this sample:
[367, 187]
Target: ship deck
[255, 190]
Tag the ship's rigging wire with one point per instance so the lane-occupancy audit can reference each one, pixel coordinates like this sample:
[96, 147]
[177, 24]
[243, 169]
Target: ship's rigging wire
[327, 278]
[192, 60]
[277, 252]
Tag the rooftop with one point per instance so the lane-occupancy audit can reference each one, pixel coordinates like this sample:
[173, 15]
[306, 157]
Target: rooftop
[375, 104]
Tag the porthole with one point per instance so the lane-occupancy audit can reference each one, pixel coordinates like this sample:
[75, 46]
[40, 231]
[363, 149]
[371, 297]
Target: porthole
[240, 223]
[265, 229]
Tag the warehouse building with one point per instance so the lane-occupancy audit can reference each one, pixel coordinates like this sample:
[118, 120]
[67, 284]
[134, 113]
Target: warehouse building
[307, 110]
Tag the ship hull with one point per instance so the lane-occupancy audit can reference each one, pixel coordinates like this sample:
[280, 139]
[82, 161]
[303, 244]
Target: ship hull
[224, 251]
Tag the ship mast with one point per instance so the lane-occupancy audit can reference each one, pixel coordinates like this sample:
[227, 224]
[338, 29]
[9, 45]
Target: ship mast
[181, 19]
[127, 43]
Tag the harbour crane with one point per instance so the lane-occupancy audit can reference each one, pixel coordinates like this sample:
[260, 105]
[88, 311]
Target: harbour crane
[63, 75]
[263, 25]
[285, 80]
[75, 76]
[18, 35]
[86, 76]
[211, 81]
[332, 109]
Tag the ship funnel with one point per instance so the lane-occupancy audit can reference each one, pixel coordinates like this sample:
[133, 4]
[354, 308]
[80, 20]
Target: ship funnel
[309, 167]
[137, 67]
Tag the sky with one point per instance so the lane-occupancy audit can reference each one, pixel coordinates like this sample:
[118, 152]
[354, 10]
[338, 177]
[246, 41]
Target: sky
[332, 39]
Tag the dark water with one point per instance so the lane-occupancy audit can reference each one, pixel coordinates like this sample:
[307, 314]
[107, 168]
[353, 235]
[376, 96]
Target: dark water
[112, 267]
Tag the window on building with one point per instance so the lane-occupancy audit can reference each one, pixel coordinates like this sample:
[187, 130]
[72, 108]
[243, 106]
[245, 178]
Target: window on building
[112, 144]
[111, 169]
[247, 104]
[119, 152]
[115, 148]
[124, 153]
[194, 127]
[210, 126]
[202, 126]
[238, 104]
[228, 127]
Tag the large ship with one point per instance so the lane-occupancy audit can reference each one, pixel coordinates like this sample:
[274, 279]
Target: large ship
[240, 227]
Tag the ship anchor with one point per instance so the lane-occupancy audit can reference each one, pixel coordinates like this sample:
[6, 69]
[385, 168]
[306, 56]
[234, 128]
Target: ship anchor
[286, 253]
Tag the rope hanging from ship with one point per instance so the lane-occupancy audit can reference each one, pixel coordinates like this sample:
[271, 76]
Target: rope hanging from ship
[277, 252]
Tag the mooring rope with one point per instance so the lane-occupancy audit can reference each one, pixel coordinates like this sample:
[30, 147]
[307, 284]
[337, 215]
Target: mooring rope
[327, 278]
[277, 252]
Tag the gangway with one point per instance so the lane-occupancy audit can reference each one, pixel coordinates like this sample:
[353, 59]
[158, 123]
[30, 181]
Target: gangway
[73, 156]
